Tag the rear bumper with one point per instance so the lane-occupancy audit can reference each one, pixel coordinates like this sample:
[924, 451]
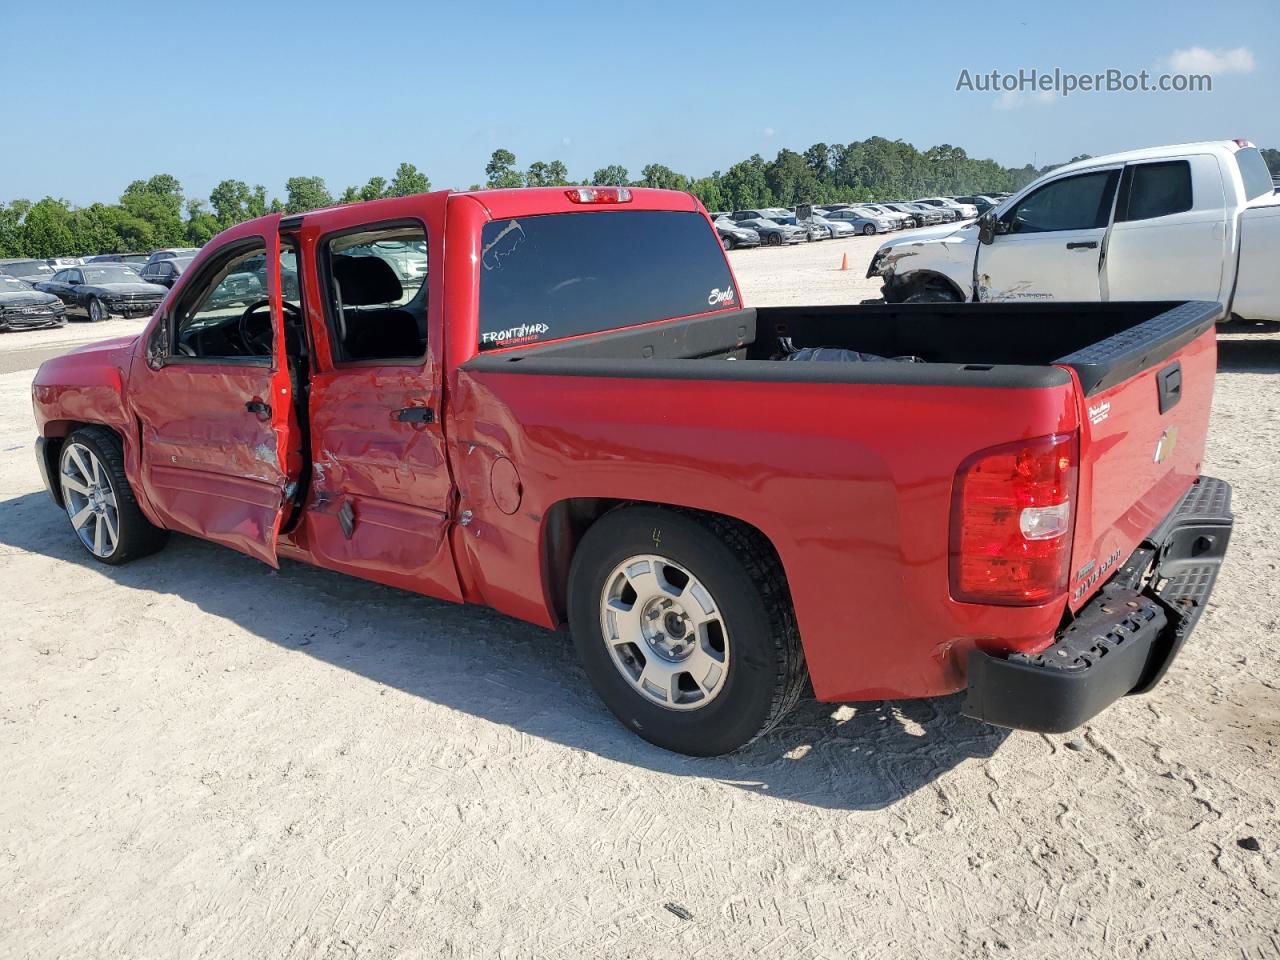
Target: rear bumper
[1125, 638]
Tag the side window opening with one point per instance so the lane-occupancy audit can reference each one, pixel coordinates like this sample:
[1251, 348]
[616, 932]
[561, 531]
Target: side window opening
[376, 293]
[1082, 202]
[1154, 190]
[215, 321]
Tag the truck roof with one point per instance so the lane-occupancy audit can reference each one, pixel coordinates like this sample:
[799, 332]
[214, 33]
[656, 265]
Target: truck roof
[1155, 153]
[523, 201]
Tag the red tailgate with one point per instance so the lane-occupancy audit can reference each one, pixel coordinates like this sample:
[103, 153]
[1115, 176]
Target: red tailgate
[1144, 418]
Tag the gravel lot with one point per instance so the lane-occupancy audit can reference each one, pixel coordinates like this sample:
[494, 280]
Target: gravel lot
[206, 758]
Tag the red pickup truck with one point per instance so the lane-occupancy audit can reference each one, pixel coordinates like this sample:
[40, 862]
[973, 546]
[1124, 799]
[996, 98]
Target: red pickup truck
[553, 402]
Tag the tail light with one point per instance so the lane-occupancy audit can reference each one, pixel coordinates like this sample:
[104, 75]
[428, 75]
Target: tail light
[599, 195]
[1011, 522]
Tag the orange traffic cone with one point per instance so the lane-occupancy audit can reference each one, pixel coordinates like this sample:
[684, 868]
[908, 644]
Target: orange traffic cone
[844, 262]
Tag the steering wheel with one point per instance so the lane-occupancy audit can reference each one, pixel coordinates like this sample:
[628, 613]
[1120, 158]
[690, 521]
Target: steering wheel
[256, 337]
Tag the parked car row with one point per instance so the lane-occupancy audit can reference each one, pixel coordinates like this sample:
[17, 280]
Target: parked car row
[775, 226]
[44, 292]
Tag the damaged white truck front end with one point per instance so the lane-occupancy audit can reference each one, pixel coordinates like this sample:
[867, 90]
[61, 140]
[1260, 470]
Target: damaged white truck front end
[930, 265]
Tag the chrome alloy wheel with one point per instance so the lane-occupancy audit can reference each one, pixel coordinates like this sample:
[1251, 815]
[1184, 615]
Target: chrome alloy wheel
[665, 633]
[90, 500]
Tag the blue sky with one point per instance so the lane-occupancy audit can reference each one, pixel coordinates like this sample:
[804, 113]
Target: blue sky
[97, 94]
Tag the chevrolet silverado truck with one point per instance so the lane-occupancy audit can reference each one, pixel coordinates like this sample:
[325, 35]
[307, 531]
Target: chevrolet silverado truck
[574, 419]
[1195, 221]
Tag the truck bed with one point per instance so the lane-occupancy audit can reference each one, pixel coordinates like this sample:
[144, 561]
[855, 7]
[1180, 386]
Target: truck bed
[988, 344]
[848, 468]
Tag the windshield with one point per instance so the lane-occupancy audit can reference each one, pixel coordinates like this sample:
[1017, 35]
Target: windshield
[25, 268]
[112, 273]
[12, 285]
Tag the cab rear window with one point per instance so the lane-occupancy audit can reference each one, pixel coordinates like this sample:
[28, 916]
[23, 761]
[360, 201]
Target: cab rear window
[561, 275]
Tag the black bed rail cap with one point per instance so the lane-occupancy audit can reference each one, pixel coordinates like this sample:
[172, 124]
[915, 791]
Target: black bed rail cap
[1114, 360]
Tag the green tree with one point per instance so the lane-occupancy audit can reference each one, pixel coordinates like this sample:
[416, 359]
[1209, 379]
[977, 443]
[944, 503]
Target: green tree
[662, 177]
[613, 175]
[13, 240]
[158, 202]
[707, 189]
[306, 193]
[501, 170]
[202, 224]
[745, 186]
[536, 175]
[47, 229]
[407, 181]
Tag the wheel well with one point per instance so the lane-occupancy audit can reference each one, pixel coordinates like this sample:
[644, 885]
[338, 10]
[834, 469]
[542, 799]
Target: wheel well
[909, 283]
[568, 521]
[55, 434]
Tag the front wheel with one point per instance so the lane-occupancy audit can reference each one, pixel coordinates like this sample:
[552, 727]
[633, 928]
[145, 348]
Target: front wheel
[99, 501]
[868, 229]
[97, 311]
[685, 628]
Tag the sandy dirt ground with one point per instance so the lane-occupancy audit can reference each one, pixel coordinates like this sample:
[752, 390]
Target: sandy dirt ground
[205, 758]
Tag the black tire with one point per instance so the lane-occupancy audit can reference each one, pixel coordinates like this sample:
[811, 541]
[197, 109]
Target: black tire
[766, 670]
[137, 535]
[774, 239]
[727, 242]
[868, 229]
[931, 295]
[97, 311]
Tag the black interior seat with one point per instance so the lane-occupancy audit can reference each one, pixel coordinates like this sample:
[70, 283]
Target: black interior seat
[373, 326]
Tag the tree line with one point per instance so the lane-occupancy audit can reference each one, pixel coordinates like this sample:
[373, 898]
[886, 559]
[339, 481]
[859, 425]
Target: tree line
[155, 213]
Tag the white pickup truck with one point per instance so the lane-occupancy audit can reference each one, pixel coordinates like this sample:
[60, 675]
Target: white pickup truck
[1196, 221]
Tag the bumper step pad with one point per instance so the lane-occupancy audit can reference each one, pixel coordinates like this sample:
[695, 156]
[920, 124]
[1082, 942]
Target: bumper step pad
[1124, 639]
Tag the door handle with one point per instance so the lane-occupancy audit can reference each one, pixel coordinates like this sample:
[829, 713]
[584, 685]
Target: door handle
[262, 409]
[416, 415]
[1083, 245]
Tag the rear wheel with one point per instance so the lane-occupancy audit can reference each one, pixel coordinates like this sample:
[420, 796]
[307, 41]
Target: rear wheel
[97, 311]
[99, 501]
[774, 239]
[727, 242]
[868, 229]
[685, 628]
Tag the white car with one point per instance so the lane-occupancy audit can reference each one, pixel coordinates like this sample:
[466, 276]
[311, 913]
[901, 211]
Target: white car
[964, 211]
[1196, 221]
[863, 221]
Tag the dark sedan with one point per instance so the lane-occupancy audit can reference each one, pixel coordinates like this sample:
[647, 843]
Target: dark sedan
[137, 259]
[733, 235]
[28, 270]
[166, 272]
[23, 307]
[98, 290]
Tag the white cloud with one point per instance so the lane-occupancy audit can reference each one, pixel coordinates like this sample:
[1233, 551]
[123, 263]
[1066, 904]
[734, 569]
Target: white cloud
[1203, 60]
[768, 131]
[1012, 99]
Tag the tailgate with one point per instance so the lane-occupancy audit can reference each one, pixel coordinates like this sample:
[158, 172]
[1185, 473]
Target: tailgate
[1145, 399]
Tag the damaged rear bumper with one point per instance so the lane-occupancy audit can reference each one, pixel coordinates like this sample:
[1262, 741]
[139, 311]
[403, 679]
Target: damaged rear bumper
[1125, 638]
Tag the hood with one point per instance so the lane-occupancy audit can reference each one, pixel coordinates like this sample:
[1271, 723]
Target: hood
[26, 298]
[129, 286]
[961, 232]
[114, 344]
